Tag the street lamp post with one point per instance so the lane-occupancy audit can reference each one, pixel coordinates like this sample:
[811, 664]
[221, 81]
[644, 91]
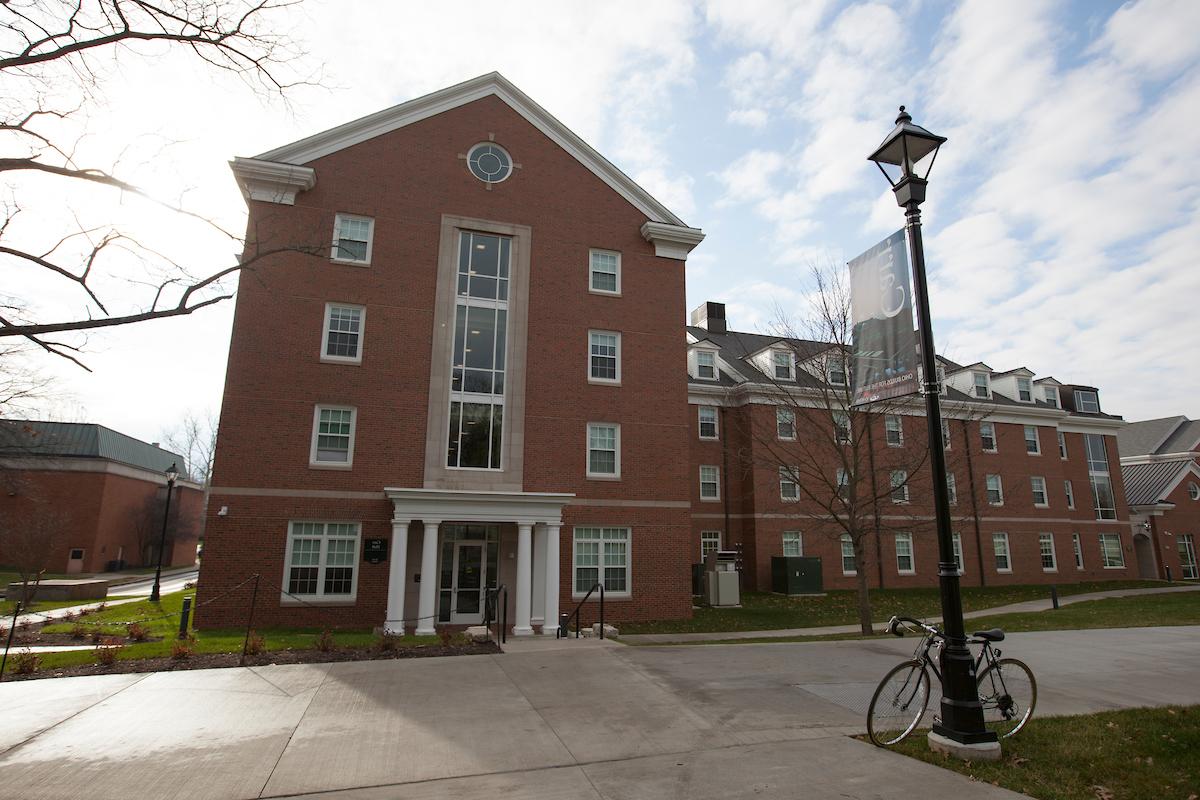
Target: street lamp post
[960, 730]
[172, 475]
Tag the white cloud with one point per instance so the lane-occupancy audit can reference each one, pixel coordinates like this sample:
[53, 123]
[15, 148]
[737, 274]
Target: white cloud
[751, 177]
[750, 117]
[1153, 36]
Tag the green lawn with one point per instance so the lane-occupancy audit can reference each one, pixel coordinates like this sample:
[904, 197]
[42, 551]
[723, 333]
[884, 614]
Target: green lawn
[162, 620]
[8, 606]
[1136, 754]
[761, 611]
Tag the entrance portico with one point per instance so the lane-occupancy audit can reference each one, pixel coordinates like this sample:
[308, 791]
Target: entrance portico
[462, 527]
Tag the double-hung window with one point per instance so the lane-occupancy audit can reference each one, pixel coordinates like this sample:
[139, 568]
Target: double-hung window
[1046, 548]
[1037, 485]
[1051, 395]
[321, 560]
[841, 427]
[601, 556]
[1110, 551]
[706, 365]
[604, 357]
[1070, 494]
[1102, 491]
[793, 543]
[710, 482]
[1000, 548]
[843, 483]
[835, 371]
[893, 430]
[995, 490]
[904, 554]
[1087, 402]
[1032, 445]
[785, 423]
[946, 441]
[958, 554]
[604, 271]
[604, 450]
[983, 387]
[849, 563]
[1062, 445]
[1187, 555]
[1025, 390]
[789, 489]
[987, 436]
[899, 486]
[1078, 547]
[781, 360]
[708, 422]
[952, 488]
[352, 239]
[333, 436]
[341, 338]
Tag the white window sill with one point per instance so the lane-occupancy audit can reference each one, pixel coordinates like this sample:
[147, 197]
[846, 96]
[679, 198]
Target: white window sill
[993, 451]
[789, 499]
[1049, 569]
[335, 360]
[710, 499]
[1004, 571]
[895, 445]
[304, 600]
[1031, 453]
[1120, 567]
[604, 381]
[595, 598]
[604, 292]
[900, 502]
[849, 574]
[592, 477]
[702, 378]
[1041, 505]
[996, 505]
[906, 572]
[710, 438]
[330, 465]
[350, 262]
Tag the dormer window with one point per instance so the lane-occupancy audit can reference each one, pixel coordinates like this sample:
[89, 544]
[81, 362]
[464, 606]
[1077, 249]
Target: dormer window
[782, 361]
[1051, 396]
[835, 371]
[706, 365]
[1025, 390]
[1087, 402]
[982, 385]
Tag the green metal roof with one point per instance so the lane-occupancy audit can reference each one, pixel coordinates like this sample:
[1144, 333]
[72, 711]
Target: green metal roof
[32, 438]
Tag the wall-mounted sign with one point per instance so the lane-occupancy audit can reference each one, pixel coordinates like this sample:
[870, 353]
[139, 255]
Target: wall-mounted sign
[375, 550]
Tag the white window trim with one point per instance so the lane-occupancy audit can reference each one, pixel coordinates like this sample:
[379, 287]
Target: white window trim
[899, 430]
[1045, 491]
[995, 448]
[604, 381]
[1007, 552]
[786, 473]
[1193, 490]
[591, 288]
[320, 597]
[313, 463]
[700, 423]
[999, 488]
[1053, 553]
[1120, 550]
[842, 542]
[1037, 441]
[912, 554]
[947, 435]
[602, 476]
[799, 543]
[956, 550]
[791, 365]
[952, 488]
[780, 410]
[716, 376]
[337, 227]
[1077, 550]
[716, 498]
[987, 385]
[1062, 445]
[1079, 393]
[903, 486]
[838, 438]
[362, 332]
[1047, 393]
[1030, 401]
[1070, 492]
[600, 567]
[719, 536]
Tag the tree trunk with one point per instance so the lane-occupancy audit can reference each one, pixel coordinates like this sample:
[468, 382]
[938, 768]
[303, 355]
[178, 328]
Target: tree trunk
[864, 590]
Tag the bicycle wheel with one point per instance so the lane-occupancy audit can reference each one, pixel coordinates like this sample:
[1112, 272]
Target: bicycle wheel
[898, 703]
[1008, 692]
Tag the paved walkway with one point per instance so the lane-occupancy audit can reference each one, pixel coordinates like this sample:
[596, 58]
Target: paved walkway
[1043, 604]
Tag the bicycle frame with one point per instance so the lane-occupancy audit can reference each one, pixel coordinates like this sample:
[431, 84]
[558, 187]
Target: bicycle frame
[933, 638]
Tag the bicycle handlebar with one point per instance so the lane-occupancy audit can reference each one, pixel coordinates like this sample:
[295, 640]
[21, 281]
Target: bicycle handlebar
[895, 623]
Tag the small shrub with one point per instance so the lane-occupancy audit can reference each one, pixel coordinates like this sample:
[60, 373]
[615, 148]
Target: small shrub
[181, 649]
[255, 645]
[107, 650]
[137, 632]
[324, 642]
[102, 606]
[447, 637]
[79, 631]
[190, 585]
[26, 662]
[83, 612]
[97, 635]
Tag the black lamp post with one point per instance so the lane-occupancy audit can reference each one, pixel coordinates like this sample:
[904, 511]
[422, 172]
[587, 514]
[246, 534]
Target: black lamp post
[172, 475]
[960, 730]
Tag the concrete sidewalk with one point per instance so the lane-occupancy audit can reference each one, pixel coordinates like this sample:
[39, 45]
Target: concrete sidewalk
[1013, 608]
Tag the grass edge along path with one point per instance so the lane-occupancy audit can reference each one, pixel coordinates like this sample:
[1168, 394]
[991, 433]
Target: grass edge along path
[1131, 754]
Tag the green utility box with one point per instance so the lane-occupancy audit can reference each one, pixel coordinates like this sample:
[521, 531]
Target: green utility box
[796, 575]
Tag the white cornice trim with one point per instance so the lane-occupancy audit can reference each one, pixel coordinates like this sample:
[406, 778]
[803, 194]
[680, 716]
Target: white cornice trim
[272, 182]
[476, 506]
[672, 241]
[84, 464]
[390, 119]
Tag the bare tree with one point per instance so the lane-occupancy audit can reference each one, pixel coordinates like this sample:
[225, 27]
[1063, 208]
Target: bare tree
[46, 45]
[147, 524]
[195, 438]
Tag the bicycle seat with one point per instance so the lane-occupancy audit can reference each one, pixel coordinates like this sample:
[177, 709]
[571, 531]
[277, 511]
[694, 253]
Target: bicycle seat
[993, 635]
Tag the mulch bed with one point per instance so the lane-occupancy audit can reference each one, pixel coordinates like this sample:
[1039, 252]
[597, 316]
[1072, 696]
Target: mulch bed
[221, 660]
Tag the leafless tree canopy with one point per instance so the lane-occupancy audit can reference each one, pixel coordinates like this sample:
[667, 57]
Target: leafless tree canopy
[48, 44]
[195, 437]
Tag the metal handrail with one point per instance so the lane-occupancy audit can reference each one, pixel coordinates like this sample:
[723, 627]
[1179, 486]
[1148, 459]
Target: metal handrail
[579, 607]
[489, 605]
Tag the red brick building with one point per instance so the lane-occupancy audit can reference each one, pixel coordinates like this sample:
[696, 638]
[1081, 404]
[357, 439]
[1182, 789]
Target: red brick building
[1036, 492]
[95, 494]
[478, 383]
[1160, 459]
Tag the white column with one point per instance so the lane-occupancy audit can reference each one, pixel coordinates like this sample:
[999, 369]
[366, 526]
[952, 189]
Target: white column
[397, 570]
[551, 571]
[538, 589]
[524, 575]
[429, 579]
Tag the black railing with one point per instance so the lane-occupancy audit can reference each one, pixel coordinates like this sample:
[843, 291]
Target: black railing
[579, 607]
[498, 615]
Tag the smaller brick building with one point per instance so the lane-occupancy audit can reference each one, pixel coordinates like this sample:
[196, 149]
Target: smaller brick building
[97, 495]
[1160, 459]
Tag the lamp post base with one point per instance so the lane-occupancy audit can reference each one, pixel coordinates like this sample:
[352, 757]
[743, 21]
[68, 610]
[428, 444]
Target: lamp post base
[978, 751]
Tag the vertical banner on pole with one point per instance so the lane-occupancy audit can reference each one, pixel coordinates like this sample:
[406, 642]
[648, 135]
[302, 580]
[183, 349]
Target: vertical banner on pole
[884, 345]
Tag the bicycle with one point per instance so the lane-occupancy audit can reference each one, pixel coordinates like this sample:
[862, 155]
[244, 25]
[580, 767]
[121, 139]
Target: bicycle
[1007, 688]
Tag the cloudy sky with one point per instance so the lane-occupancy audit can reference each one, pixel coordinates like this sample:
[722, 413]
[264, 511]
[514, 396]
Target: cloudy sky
[1063, 218]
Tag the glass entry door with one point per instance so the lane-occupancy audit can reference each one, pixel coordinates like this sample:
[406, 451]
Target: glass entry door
[467, 588]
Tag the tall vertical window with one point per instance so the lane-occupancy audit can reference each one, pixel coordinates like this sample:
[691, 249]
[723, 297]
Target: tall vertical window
[785, 423]
[1051, 395]
[1102, 492]
[604, 357]
[342, 334]
[946, 441]
[601, 556]
[843, 483]
[899, 486]
[478, 359]
[793, 544]
[849, 564]
[1070, 494]
[995, 490]
[1110, 551]
[1046, 548]
[1062, 445]
[709, 541]
[904, 554]
[352, 239]
[321, 559]
[1078, 547]
[706, 365]
[1000, 548]
[1032, 445]
[1025, 390]
[782, 362]
[708, 422]
[1187, 555]
[604, 450]
[841, 427]
[789, 489]
[987, 436]
[333, 436]
[952, 488]
[1037, 486]
[956, 540]
[605, 269]
[893, 430]
[982, 384]
[710, 482]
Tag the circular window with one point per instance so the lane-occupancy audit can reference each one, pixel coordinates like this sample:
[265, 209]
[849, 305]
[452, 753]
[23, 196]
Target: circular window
[1194, 491]
[489, 162]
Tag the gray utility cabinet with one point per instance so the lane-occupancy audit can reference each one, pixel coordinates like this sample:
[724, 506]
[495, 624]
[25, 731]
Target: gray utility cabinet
[796, 575]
